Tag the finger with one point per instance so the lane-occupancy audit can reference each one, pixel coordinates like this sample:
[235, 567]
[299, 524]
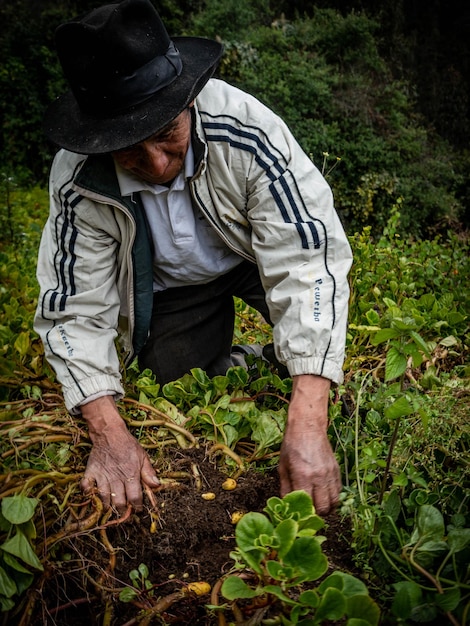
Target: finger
[148, 474]
[134, 493]
[87, 484]
[326, 497]
[321, 501]
[335, 492]
[285, 485]
[118, 496]
[105, 496]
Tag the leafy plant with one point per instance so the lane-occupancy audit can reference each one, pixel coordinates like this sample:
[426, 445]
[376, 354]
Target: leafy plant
[140, 583]
[283, 552]
[433, 566]
[238, 406]
[17, 555]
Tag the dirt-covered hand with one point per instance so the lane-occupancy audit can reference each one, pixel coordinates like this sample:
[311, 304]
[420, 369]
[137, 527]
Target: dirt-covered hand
[307, 460]
[117, 464]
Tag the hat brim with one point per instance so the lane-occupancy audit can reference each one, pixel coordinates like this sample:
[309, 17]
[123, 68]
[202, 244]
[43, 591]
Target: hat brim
[68, 127]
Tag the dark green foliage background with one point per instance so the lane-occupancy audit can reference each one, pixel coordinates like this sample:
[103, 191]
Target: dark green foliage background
[379, 90]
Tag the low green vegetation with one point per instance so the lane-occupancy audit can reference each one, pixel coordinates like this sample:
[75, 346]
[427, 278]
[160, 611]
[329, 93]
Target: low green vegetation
[283, 551]
[17, 557]
[399, 425]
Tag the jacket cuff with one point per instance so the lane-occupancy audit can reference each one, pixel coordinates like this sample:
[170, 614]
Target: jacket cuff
[318, 367]
[80, 391]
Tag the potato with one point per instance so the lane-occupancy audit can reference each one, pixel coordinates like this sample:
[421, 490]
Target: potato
[208, 496]
[200, 588]
[229, 484]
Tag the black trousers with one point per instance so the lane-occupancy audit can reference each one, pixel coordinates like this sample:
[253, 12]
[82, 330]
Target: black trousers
[192, 326]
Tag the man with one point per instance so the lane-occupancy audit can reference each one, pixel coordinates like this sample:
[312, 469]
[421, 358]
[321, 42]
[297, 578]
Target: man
[172, 193]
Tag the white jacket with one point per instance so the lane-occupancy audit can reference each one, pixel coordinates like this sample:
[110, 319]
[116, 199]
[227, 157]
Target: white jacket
[264, 197]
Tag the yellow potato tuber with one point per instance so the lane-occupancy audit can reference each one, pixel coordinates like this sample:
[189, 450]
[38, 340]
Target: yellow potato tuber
[200, 588]
[229, 484]
[236, 517]
[208, 496]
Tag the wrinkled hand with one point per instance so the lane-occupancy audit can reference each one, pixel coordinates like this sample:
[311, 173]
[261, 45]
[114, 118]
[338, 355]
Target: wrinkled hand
[307, 460]
[117, 464]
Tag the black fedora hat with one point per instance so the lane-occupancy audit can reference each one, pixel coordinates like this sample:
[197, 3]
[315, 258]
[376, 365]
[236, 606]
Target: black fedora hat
[127, 78]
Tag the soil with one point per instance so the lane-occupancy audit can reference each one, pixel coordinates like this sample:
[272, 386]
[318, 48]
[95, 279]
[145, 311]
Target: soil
[190, 540]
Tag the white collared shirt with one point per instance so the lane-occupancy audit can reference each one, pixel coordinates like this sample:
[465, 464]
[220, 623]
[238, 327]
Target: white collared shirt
[187, 250]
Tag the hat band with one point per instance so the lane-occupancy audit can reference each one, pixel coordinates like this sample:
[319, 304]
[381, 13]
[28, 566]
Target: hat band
[127, 91]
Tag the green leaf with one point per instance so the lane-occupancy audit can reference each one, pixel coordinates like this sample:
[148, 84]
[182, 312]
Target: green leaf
[220, 384]
[19, 546]
[458, 539]
[134, 575]
[248, 530]
[407, 595]
[310, 598]
[266, 431]
[278, 571]
[395, 364]
[449, 600]
[430, 523]
[307, 558]
[201, 377]
[424, 613]
[399, 408]
[22, 343]
[277, 591]
[401, 480]
[234, 588]
[19, 509]
[372, 317]
[5, 525]
[285, 532]
[415, 353]
[28, 529]
[449, 341]
[296, 504]
[332, 605]
[237, 376]
[23, 577]
[454, 318]
[250, 527]
[392, 505]
[6, 604]
[128, 594]
[223, 402]
[432, 548]
[143, 570]
[7, 584]
[349, 585]
[405, 325]
[385, 334]
[363, 607]
[10, 560]
[419, 341]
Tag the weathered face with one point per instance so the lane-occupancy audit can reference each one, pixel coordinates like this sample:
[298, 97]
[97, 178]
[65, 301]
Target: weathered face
[160, 158]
